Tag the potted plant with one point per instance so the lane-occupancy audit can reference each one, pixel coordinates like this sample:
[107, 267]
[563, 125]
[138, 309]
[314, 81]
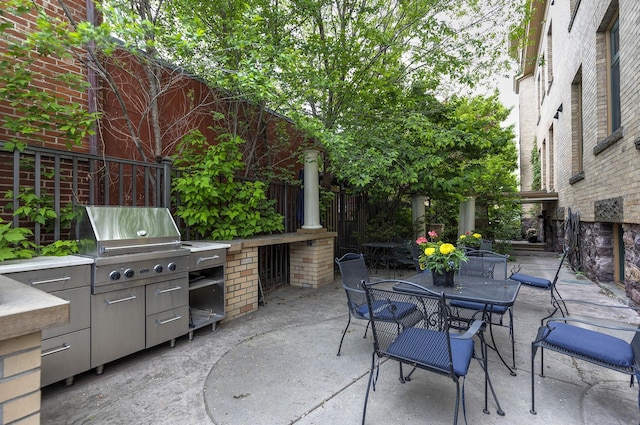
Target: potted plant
[470, 240]
[532, 235]
[442, 259]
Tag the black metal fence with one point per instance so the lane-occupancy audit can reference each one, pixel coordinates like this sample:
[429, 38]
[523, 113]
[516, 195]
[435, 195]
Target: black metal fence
[49, 180]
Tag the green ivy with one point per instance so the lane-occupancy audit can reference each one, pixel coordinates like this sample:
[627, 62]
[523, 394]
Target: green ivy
[536, 183]
[210, 200]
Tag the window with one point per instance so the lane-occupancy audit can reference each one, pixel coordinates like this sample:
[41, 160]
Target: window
[577, 136]
[551, 177]
[614, 75]
[549, 58]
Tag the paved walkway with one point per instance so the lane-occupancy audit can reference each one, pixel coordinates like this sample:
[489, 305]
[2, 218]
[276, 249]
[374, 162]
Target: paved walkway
[278, 366]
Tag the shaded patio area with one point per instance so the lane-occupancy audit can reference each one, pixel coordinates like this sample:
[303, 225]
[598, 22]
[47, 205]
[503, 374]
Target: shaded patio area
[279, 366]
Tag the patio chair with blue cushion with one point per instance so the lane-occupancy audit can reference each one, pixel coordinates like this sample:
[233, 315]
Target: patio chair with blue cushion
[490, 265]
[428, 345]
[545, 284]
[589, 341]
[354, 272]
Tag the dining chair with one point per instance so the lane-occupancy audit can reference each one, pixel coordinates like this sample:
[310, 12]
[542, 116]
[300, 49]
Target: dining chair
[355, 274]
[589, 341]
[429, 344]
[545, 284]
[489, 265]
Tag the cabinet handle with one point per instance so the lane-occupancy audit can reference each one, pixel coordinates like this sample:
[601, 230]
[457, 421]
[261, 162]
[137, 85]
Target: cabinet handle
[164, 291]
[58, 279]
[202, 259]
[64, 346]
[109, 302]
[164, 322]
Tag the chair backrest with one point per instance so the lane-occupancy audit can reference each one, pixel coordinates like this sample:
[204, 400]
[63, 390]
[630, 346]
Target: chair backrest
[353, 270]
[482, 263]
[429, 333]
[415, 254]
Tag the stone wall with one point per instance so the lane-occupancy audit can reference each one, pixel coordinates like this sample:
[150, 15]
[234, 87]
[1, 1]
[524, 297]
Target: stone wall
[596, 250]
[631, 240]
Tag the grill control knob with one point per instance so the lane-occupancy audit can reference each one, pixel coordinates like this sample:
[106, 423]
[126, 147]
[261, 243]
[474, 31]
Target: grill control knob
[129, 273]
[114, 275]
[172, 266]
[158, 268]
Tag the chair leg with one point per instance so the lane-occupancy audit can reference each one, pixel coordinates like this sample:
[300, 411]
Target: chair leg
[343, 334]
[533, 388]
[366, 398]
[455, 416]
[366, 329]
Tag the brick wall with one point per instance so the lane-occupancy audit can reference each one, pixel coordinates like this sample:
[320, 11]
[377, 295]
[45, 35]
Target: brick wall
[20, 380]
[46, 69]
[241, 283]
[311, 264]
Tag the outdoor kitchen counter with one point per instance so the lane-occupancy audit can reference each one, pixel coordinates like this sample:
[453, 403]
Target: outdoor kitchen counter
[44, 262]
[24, 309]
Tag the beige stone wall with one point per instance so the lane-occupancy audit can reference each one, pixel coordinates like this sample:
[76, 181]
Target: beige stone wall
[241, 283]
[20, 379]
[614, 172]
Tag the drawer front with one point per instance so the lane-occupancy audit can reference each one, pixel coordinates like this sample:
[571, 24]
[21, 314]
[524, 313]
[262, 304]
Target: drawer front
[80, 311]
[65, 356]
[205, 259]
[117, 324]
[167, 325]
[167, 295]
[55, 279]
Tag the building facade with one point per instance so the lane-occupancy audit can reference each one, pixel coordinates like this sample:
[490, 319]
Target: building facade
[579, 98]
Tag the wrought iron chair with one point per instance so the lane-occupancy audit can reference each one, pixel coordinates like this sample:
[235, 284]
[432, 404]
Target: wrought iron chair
[415, 254]
[587, 340]
[354, 272]
[429, 344]
[545, 284]
[490, 265]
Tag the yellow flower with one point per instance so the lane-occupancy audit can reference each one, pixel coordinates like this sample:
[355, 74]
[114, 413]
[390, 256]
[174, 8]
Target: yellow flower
[463, 236]
[477, 235]
[447, 248]
[429, 251]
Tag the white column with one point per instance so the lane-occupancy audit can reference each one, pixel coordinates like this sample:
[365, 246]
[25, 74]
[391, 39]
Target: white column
[311, 191]
[417, 215]
[467, 218]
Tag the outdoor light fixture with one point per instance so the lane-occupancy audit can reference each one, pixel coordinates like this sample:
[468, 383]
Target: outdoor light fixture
[557, 115]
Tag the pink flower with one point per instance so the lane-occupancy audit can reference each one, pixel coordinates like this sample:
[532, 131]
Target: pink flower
[432, 234]
[421, 240]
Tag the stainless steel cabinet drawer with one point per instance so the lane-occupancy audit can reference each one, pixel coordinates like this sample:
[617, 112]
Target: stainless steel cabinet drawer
[65, 356]
[80, 311]
[55, 279]
[117, 324]
[166, 295]
[206, 259]
[167, 325]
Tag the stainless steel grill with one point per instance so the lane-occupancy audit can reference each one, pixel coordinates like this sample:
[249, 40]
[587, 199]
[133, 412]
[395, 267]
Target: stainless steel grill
[140, 279]
[132, 246]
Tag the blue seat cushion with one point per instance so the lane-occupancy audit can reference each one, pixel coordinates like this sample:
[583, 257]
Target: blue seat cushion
[429, 347]
[383, 311]
[531, 280]
[589, 343]
[497, 309]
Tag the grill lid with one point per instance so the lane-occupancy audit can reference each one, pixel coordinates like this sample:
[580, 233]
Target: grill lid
[107, 230]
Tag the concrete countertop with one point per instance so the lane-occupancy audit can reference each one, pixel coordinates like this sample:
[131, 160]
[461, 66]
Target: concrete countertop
[44, 262]
[24, 310]
[197, 246]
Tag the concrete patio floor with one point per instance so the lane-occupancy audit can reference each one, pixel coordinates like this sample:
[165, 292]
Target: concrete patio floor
[279, 366]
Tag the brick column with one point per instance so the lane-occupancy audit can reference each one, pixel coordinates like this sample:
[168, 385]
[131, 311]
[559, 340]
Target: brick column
[241, 282]
[20, 379]
[311, 263]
